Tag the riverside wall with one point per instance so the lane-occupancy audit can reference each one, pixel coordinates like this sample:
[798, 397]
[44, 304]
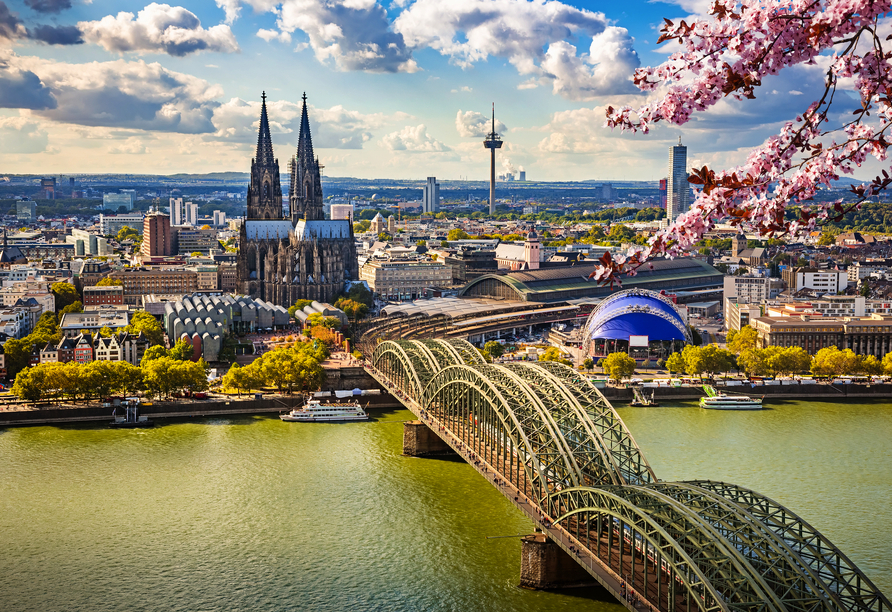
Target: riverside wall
[817, 392]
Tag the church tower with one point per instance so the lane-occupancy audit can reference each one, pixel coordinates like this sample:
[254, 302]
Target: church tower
[305, 194]
[265, 191]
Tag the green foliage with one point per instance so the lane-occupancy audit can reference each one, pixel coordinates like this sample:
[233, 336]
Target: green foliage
[743, 340]
[164, 376]
[384, 237]
[298, 305]
[318, 320]
[352, 308]
[775, 361]
[675, 363]
[828, 237]
[141, 321]
[74, 307]
[297, 368]
[618, 366]
[97, 379]
[457, 234]
[494, 348]
[65, 294]
[695, 336]
[154, 352]
[588, 363]
[362, 226]
[110, 282]
[127, 233]
[831, 361]
[709, 359]
[181, 351]
[553, 353]
[360, 293]
[864, 289]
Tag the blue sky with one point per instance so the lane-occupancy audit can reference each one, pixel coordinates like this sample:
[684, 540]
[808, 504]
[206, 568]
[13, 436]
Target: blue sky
[397, 88]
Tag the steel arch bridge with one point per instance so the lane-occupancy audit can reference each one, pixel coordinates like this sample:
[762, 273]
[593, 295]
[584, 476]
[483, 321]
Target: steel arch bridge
[546, 436]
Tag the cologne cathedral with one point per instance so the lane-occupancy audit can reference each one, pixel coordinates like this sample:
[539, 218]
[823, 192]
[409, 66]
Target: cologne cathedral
[281, 258]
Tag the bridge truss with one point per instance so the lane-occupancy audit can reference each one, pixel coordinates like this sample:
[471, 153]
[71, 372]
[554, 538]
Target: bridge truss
[679, 546]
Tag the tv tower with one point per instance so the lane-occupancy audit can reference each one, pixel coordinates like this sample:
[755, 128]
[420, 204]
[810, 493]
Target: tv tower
[492, 143]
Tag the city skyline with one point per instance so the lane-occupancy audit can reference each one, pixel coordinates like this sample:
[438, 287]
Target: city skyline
[396, 90]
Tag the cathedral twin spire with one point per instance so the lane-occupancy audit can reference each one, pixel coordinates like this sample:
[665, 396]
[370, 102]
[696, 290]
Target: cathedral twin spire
[265, 191]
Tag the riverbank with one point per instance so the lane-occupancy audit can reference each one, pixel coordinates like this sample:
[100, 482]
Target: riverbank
[820, 392]
[161, 410]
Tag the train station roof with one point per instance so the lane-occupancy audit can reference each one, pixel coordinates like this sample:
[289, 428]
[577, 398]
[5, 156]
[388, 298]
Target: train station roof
[451, 307]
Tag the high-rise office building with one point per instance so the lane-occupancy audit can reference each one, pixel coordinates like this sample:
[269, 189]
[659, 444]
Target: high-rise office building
[156, 236]
[430, 199]
[192, 214]
[677, 189]
[177, 212]
[114, 201]
[219, 218]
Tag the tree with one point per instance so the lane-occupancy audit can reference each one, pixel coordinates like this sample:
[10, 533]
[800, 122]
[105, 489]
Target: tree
[110, 282]
[74, 307]
[864, 289]
[743, 340]
[181, 351]
[831, 361]
[887, 363]
[65, 294]
[317, 319]
[457, 234]
[154, 352]
[588, 363]
[695, 335]
[359, 292]
[141, 321]
[298, 305]
[553, 353]
[870, 366]
[675, 363]
[494, 348]
[828, 237]
[196, 254]
[105, 332]
[237, 378]
[618, 366]
[730, 54]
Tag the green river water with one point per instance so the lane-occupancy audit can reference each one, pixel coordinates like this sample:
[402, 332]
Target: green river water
[249, 513]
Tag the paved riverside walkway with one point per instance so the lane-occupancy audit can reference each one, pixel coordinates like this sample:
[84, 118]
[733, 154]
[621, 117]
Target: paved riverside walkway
[602, 572]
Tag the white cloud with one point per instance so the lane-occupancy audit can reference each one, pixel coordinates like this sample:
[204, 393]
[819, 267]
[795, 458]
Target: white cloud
[472, 124]
[158, 28]
[21, 135]
[232, 8]
[351, 35]
[531, 35]
[335, 127]
[463, 89]
[606, 69]
[268, 35]
[414, 139]
[131, 146]
[122, 94]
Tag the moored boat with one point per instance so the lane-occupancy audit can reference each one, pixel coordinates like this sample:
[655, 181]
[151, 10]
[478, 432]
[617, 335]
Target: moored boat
[721, 401]
[317, 411]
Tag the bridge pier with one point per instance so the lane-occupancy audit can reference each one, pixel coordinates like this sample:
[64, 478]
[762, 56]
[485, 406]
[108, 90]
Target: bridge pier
[420, 441]
[545, 565]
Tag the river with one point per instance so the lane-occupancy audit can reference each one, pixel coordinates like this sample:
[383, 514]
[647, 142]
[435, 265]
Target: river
[249, 513]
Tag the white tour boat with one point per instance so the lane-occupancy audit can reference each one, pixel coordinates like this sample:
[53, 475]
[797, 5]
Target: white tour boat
[316, 410]
[721, 401]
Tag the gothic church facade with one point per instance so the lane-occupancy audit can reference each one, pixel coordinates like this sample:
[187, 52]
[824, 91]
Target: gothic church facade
[281, 258]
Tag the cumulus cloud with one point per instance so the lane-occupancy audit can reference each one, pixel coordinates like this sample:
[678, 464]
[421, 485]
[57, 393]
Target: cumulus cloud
[268, 35]
[10, 25]
[463, 89]
[232, 8]
[606, 69]
[336, 127]
[158, 28]
[20, 88]
[56, 35]
[121, 94]
[49, 6]
[531, 36]
[414, 139]
[21, 135]
[472, 124]
[351, 35]
[131, 146]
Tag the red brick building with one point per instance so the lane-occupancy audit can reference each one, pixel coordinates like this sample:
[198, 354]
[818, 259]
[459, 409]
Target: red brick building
[97, 296]
[156, 236]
